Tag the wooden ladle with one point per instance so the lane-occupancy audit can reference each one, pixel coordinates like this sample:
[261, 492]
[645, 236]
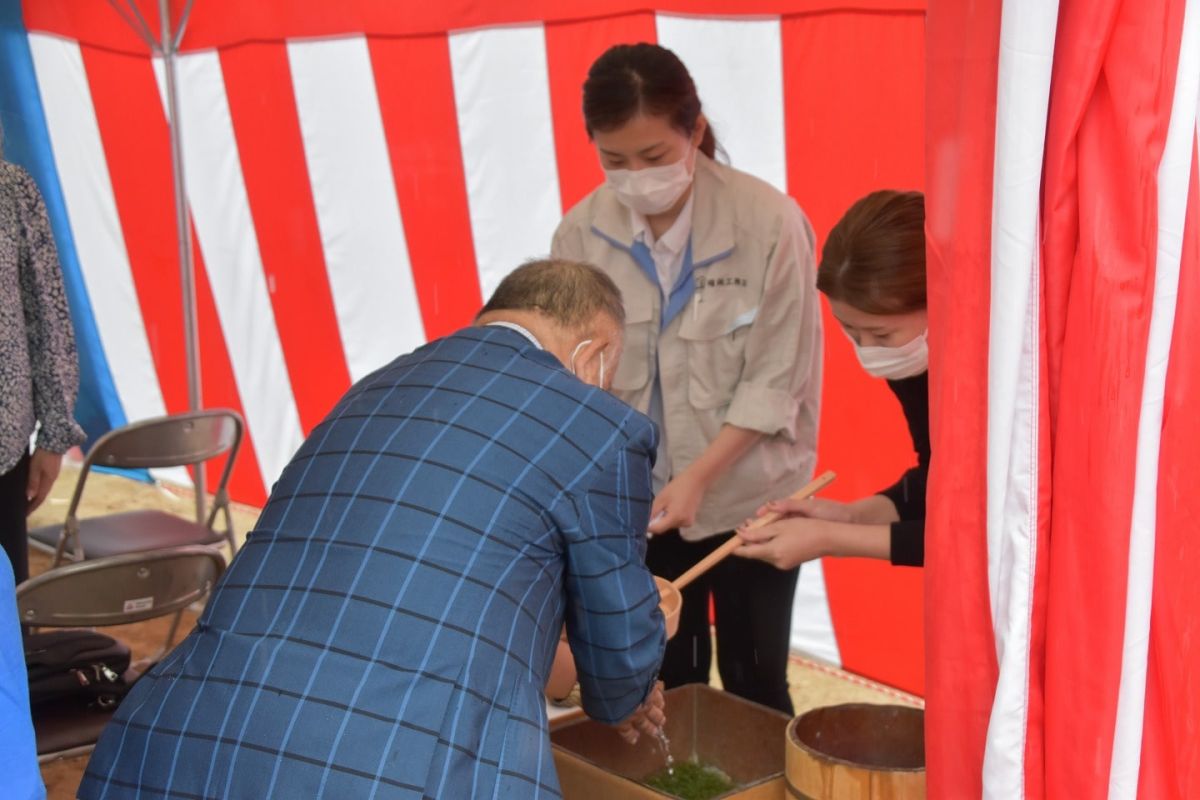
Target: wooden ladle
[716, 556]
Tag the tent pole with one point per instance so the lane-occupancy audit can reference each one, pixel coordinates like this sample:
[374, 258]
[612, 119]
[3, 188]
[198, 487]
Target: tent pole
[191, 333]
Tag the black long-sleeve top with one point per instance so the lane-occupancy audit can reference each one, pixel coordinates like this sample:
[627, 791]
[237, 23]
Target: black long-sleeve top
[908, 493]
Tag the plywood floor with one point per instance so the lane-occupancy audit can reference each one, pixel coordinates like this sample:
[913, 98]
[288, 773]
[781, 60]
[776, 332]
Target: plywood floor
[812, 684]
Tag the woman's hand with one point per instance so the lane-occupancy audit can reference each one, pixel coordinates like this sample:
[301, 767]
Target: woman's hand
[812, 508]
[876, 509]
[796, 539]
[43, 472]
[784, 544]
[648, 719]
[676, 505]
[678, 501]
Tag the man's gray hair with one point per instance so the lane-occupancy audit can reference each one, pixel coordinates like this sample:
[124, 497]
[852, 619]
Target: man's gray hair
[569, 292]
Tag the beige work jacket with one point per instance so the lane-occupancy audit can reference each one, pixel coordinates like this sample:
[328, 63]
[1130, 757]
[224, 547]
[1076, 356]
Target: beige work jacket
[746, 349]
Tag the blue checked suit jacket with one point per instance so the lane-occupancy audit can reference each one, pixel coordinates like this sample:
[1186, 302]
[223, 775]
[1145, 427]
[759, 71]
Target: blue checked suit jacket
[388, 627]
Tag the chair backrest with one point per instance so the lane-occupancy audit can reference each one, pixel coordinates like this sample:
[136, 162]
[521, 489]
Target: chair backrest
[119, 589]
[172, 441]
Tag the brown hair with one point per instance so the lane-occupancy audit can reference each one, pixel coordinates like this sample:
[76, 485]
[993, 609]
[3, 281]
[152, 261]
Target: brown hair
[631, 78]
[874, 258]
[570, 293]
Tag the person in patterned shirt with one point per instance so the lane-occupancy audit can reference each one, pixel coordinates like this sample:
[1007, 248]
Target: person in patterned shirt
[39, 372]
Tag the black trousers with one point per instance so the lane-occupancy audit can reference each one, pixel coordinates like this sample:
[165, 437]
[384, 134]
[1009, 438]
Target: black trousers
[753, 603]
[13, 485]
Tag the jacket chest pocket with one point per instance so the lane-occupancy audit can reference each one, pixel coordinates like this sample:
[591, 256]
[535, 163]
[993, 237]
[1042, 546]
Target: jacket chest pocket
[641, 336]
[715, 330]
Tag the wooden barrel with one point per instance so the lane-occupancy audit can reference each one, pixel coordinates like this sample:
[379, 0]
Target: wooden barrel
[857, 751]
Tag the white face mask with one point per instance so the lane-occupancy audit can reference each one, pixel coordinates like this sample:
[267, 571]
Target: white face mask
[575, 352]
[895, 363]
[652, 190]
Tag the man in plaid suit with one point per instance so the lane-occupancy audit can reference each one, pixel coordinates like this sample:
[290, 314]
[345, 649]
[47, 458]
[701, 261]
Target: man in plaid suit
[388, 627]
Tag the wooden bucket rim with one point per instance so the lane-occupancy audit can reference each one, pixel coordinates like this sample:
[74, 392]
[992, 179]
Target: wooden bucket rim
[793, 739]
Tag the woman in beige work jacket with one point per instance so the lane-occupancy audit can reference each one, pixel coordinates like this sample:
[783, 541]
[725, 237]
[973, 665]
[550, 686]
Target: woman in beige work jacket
[722, 350]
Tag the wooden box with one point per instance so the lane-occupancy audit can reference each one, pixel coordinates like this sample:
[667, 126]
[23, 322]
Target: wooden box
[741, 738]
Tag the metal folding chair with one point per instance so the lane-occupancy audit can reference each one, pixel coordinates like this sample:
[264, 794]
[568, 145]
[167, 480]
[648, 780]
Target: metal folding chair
[117, 590]
[189, 439]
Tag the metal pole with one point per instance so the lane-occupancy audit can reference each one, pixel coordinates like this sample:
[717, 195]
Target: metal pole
[191, 331]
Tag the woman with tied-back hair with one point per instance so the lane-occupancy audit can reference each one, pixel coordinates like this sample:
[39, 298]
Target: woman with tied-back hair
[873, 272]
[722, 349]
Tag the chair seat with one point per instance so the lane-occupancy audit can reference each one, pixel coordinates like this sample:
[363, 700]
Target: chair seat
[131, 532]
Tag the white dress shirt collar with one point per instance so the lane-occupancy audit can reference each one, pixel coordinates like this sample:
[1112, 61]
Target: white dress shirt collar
[519, 329]
[667, 250]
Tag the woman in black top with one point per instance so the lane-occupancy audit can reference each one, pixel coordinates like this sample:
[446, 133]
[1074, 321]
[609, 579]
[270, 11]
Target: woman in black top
[873, 273]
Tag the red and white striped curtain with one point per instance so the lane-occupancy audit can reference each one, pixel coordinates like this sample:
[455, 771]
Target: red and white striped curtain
[360, 173]
[1063, 606]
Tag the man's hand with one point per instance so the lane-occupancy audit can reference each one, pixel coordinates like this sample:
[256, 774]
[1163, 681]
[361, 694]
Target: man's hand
[648, 719]
[43, 471]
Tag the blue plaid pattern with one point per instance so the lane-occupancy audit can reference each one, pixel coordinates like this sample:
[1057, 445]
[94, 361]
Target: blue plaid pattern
[388, 628]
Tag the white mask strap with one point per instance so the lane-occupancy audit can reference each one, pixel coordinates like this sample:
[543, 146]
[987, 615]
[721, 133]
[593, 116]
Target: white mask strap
[575, 352]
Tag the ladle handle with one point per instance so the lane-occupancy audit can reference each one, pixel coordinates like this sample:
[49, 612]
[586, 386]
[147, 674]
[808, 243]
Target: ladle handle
[716, 556]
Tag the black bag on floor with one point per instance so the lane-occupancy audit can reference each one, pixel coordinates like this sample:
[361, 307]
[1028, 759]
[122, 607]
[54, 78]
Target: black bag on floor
[76, 664]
